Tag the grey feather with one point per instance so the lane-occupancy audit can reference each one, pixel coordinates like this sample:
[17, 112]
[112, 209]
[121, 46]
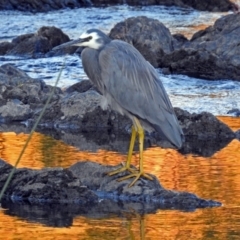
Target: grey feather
[131, 86]
[135, 85]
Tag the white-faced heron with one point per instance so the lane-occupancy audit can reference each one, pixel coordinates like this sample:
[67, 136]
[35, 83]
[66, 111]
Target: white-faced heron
[131, 86]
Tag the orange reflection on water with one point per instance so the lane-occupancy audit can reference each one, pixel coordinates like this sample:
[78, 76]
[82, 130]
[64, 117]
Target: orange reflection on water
[216, 177]
[191, 30]
[232, 122]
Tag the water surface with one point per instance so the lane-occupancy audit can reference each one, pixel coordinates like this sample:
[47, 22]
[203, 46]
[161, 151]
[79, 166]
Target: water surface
[194, 95]
[216, 177]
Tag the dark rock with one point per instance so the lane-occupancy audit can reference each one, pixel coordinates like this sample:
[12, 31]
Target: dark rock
[149, 36]
[39, 6]
[54, 35]
[52, 185]
[194, 63]
[30, 46]
[212, 53]
[13, 111]
[204, 125]
[14, 127]
[179, 40]
[204, 147]
[20, 95]
[70, 110]
[235, 112]
[5, 47]
[33, 45]
[11, 75]
[43, 5]
[78, 109]
[80, 87]
[85, 183]
[237, 133]
[210, 5]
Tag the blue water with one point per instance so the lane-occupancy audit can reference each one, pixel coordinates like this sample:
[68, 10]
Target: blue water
[194, 95]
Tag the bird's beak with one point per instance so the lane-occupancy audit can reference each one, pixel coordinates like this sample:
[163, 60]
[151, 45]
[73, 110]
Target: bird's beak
[76, 42]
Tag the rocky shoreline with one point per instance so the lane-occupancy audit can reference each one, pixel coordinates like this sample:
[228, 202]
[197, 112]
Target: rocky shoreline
[76, 111]
[211, 54]
[86, 183]
[49, 5]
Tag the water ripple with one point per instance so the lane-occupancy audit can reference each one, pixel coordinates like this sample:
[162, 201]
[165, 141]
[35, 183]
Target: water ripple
[192, 94]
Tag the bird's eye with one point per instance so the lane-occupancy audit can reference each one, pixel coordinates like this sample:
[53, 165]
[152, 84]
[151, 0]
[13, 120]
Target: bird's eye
[89, 38]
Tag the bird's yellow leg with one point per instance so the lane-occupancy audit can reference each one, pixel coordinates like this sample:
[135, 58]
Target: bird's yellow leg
[129, 157]
[140, 173]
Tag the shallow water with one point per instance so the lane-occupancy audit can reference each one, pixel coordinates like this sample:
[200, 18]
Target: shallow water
[194, 95]
[216, 177]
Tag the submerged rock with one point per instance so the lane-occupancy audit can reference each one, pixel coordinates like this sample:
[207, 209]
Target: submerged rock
[86, 182]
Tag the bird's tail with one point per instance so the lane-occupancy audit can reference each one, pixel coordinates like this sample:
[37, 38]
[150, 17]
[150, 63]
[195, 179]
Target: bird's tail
[171, 131]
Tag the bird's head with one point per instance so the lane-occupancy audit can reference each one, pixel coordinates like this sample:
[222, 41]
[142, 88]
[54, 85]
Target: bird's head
[92, 38]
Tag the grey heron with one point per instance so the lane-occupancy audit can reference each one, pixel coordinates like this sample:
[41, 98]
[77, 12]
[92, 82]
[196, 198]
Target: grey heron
[131, 86]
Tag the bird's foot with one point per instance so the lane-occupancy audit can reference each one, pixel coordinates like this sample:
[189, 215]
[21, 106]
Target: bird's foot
[121, 169]
[137, 175]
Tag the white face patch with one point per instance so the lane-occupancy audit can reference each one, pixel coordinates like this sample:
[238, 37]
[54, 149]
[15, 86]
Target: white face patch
[92, 43]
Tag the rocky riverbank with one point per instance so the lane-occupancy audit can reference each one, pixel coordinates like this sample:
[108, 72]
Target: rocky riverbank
[86, 184]
[211, 54]
[48, 5]
[76, 110]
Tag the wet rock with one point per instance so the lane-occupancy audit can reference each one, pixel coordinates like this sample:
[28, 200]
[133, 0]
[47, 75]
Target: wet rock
[85, 183]
[54, 35]
[204, 125]
[70, 110]
[13, 76]
[80, 87]
[206, 147]
[33, 45]
[210, 5]
[44, 5]
[78, 109]
[5, 47]
[14, 111]
[237, 133]
[235, 112]
[212, 53]
[148, 35]
[20, 95]
[53, 185]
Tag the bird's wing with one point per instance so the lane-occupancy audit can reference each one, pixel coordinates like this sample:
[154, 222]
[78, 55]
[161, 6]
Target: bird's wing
[132, 81]
[135, 85]
[91, 67]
